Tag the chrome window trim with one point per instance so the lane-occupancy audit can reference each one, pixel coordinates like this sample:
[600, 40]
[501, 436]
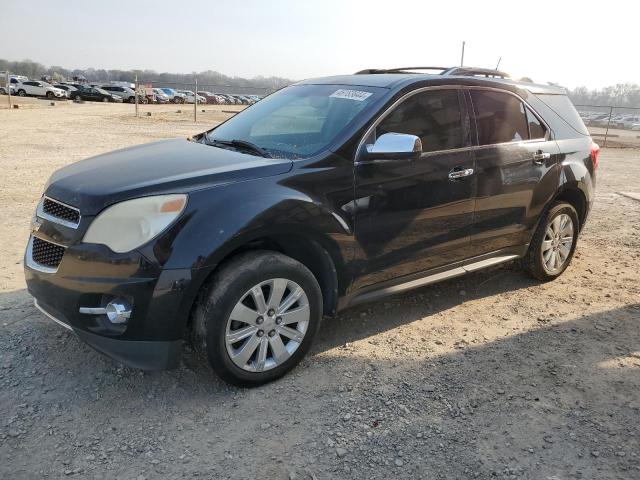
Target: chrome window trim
[471, 114]
[386, 113]
[61, 221]
[31, 263]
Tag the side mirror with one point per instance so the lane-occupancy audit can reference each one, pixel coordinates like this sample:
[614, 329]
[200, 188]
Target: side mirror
[395, 146]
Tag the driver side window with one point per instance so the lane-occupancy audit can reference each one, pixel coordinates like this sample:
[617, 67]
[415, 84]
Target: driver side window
[433, 115]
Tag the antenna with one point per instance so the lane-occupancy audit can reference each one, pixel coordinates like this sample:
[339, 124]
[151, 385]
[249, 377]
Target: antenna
[499, 60]
[462, 57]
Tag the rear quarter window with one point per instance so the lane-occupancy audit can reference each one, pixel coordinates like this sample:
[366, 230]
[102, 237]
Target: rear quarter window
[563, 107]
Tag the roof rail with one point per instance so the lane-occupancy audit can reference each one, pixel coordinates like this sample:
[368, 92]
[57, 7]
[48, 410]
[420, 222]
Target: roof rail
[460, 71]
[474, 72]
[398, 70]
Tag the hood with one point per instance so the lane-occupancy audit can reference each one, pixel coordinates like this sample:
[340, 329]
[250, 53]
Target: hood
[168, 166]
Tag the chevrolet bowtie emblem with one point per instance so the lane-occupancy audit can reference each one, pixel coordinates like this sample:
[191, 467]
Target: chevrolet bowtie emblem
[35, 224]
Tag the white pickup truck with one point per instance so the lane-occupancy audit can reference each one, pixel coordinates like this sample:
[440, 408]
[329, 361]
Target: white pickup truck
[38, 88]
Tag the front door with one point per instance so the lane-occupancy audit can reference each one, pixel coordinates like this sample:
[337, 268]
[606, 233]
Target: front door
[415, 215]
[516, 170]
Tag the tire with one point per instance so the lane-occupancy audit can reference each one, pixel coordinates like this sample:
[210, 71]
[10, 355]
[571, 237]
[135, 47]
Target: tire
[50, 95]
[22, 93]
[132, 99]
[77, 98]
[105, 100]
[549, 253]
[231, 290]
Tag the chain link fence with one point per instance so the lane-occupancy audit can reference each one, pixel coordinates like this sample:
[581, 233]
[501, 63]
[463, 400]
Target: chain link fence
[612, 126]
[198, 98]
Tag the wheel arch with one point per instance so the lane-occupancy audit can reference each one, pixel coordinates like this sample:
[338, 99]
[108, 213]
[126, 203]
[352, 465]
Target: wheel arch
[574, 196]
[313, 251]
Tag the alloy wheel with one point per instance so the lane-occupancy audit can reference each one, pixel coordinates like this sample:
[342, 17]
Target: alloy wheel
[557, 243]
[267, 325]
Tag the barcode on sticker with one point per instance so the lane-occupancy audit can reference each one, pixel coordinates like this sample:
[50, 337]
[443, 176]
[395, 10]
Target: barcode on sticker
[357, 95]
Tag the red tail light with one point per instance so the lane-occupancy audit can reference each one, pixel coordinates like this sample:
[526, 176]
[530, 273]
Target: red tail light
[595, 150]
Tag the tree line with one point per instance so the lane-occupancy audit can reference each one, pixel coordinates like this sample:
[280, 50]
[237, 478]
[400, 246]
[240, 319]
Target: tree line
[36, 70]
[621, 95]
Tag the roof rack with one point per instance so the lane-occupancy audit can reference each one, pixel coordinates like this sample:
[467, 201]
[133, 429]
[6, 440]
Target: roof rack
[459, 71]
[474, 72]
[398, 70]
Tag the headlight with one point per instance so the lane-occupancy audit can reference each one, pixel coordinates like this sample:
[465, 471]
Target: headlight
[127, 225]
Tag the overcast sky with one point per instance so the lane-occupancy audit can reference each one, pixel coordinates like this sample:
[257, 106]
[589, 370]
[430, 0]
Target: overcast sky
[570, 42]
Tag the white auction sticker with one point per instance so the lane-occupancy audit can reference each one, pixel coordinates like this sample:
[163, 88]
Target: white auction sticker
[357, 95]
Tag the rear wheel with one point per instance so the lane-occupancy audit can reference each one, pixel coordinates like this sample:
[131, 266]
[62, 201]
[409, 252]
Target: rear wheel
[132, 99]
[258, 317]
[554, 243]
[105, 100]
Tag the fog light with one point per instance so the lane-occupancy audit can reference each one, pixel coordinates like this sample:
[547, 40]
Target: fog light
[117, 310]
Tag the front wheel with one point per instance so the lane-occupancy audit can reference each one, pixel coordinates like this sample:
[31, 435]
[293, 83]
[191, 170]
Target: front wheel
[22, 93]
[258, 317]
[105, 100]
[554, 243]
[50, 95]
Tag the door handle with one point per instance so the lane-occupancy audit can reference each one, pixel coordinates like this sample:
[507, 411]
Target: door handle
[460, 173]
[539, 157]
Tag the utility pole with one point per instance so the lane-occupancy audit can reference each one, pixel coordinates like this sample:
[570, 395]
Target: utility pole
[195, 103]
[499, 60]
[8, 87]
[462, 57]
[136, 94]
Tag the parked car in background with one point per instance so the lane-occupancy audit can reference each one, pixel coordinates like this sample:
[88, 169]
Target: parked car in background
[93, 94]
[3, 90]
[229, 100]
[210, 97]
[190, 97]
[68, 89]
[38, 88]
[174, 95]
[160, 96]
[125, 93]
[635, 126]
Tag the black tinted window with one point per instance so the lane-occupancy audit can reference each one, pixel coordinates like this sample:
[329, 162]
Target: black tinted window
[536, 130]
[563, 107]
[434, 116]
[500, 117]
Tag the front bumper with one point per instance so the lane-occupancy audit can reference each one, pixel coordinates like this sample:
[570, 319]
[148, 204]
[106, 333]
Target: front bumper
[137, 354]
[89, 276]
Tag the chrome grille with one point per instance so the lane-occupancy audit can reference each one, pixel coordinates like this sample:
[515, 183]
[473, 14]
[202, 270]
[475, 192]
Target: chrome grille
[46, 253]
[58, 212]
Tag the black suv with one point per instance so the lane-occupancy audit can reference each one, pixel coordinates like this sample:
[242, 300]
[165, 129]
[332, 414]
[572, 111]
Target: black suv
[93, 94]
[326, 194]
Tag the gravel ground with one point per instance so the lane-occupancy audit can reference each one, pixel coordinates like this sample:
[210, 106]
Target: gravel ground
[490, 376]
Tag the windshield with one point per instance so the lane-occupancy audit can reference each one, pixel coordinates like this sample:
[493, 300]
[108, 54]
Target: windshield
[298, 121]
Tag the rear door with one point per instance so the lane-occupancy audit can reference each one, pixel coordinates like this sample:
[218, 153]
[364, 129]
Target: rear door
[516, 167]
[410, 215]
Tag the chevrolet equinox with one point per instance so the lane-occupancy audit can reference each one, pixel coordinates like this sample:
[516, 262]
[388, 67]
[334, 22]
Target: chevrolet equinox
[323, 195]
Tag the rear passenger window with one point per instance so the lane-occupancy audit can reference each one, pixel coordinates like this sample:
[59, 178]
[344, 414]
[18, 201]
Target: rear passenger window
[500, 117]
[536, 130]
[434, 116]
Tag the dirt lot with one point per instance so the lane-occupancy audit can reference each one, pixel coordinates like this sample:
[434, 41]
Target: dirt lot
[490, 376]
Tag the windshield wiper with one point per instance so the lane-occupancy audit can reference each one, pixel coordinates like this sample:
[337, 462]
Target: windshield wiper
[239, 144]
